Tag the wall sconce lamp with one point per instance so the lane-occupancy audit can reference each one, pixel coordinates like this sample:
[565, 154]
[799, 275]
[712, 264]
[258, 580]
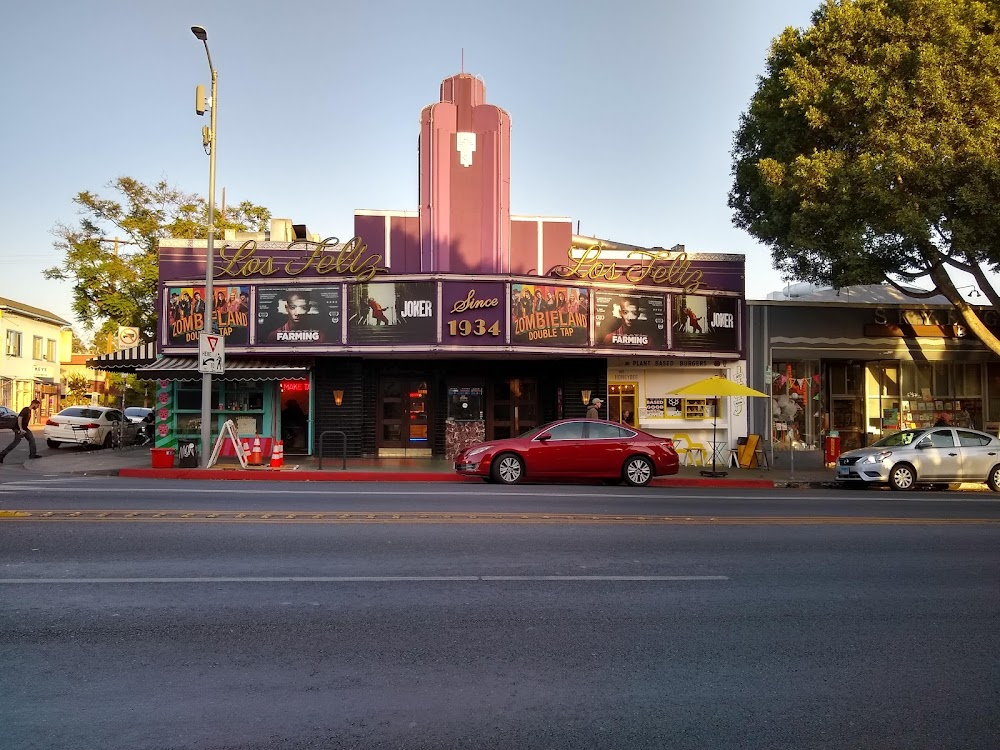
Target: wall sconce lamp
[338, 398]
[586, 397]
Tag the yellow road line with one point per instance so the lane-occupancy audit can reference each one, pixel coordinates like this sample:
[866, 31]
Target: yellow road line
[439, 517]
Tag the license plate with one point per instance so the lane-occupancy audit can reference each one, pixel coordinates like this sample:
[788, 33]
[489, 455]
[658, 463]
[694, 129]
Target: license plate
[843, 471]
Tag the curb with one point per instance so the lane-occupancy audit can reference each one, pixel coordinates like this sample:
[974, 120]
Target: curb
[398, 476]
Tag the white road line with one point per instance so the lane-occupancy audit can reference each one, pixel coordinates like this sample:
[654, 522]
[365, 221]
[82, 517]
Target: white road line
[356, 579]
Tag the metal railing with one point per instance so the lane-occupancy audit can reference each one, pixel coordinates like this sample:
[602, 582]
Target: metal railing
[322, 441]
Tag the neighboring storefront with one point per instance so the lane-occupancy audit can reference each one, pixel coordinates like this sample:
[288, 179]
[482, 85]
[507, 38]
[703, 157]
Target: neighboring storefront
[837, 366]
[454, 323]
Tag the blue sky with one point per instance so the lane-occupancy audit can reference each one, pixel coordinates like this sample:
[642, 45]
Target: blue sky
[623, 112]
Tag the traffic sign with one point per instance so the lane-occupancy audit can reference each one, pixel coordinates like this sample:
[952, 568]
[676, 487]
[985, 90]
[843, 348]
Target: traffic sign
[211, 353]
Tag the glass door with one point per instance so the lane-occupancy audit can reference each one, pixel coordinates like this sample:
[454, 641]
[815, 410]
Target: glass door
[404, 417]
[621, 403]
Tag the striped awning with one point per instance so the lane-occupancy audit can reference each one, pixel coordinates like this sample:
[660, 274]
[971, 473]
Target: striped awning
[237, 368]
[125, 360]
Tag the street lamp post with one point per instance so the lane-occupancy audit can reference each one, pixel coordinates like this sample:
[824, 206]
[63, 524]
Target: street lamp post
[209, 142]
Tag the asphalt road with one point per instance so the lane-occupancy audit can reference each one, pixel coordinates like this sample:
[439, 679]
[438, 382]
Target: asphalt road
[194, 616]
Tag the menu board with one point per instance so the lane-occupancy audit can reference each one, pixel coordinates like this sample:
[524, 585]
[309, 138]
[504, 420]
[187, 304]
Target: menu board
[654, 407]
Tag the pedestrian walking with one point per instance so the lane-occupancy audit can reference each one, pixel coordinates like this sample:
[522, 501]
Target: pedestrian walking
[594, 410]
[23, 427]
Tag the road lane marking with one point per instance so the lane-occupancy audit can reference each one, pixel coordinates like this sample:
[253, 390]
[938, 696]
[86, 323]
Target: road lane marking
[457, 517]
[361, 579]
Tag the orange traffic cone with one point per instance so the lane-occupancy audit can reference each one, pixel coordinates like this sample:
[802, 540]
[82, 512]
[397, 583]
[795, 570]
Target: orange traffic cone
[256, 457]
[278, 455]
[246, 447]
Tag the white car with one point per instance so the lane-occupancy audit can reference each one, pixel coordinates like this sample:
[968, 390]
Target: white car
[97, 426]
[935, 455]
[137, 413]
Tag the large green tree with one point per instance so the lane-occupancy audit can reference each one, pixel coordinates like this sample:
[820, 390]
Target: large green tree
[869, 151]
[110, 254]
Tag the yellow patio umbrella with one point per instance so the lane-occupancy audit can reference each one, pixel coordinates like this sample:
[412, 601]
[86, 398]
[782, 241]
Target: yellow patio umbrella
[718, 387]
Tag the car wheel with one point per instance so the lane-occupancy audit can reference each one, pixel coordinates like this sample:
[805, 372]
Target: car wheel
[107, 441]
[507, 468]
[902, 477]
[638, 471]
[993, 480]
[52, 443]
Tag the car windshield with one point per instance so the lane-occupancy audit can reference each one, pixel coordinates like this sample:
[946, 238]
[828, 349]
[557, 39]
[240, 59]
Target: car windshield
[136, 411]
[897, 439]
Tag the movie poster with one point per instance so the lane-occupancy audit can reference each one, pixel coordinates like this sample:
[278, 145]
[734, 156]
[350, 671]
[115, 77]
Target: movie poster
[392, 313]
[625, 320]
[705, 323]
[549, 315]
[186, 314]
[298, 316]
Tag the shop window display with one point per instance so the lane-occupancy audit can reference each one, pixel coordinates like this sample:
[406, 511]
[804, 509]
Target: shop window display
[797, 406]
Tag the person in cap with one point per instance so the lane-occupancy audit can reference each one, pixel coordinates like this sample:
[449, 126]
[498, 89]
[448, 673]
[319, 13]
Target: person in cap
[593, 411]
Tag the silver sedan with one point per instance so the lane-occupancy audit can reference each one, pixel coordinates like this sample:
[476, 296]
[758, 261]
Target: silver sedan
[929, 455]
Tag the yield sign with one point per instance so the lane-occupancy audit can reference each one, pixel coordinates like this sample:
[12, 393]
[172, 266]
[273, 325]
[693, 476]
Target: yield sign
[211, 353]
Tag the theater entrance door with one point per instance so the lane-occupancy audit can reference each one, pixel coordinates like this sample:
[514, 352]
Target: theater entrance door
[404, 417]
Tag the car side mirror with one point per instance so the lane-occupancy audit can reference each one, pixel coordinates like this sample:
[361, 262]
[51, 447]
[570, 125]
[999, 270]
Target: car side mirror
[543, 437]
[923, 446]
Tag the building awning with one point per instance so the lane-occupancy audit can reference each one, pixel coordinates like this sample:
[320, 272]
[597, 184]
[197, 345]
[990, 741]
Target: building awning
[237, 368]
[125, 360]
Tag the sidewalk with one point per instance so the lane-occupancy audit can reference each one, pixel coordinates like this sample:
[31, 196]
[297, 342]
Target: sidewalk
[135, 462]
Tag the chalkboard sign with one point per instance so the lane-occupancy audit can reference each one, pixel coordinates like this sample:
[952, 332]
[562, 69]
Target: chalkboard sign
[654, 407]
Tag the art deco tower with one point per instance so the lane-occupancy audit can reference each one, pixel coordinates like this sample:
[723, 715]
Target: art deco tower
[464, 181]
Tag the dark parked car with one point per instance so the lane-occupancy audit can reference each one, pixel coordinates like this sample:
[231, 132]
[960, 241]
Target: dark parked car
[572, 449]
[8, 418]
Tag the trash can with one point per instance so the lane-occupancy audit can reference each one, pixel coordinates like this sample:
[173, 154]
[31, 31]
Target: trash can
[831, 449]
[187, 454]
[161, 458]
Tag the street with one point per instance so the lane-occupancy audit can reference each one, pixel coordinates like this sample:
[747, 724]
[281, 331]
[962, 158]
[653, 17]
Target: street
[154, 615]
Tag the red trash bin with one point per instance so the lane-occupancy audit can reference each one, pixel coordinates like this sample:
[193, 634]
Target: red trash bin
[831, 450]
[161, 458]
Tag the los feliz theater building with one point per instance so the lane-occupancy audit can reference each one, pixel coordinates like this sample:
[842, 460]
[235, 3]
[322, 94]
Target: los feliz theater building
[450, 324]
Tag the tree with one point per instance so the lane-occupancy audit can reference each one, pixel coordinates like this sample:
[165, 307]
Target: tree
[869, 151]
[110, 256]
[77, 387]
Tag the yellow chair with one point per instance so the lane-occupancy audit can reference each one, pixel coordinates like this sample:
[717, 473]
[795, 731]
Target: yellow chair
[690, 451]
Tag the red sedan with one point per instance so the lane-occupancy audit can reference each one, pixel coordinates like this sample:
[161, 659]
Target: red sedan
[572, 449]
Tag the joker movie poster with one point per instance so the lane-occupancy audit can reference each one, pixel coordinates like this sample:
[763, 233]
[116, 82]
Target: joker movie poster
[298, 316]
[392, 313]
[624, 320]
[186, 314]
[549, 315]
[705, 323]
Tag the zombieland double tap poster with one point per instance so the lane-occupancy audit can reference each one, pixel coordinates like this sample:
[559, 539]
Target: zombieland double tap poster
[186, 314]
[549, 315]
